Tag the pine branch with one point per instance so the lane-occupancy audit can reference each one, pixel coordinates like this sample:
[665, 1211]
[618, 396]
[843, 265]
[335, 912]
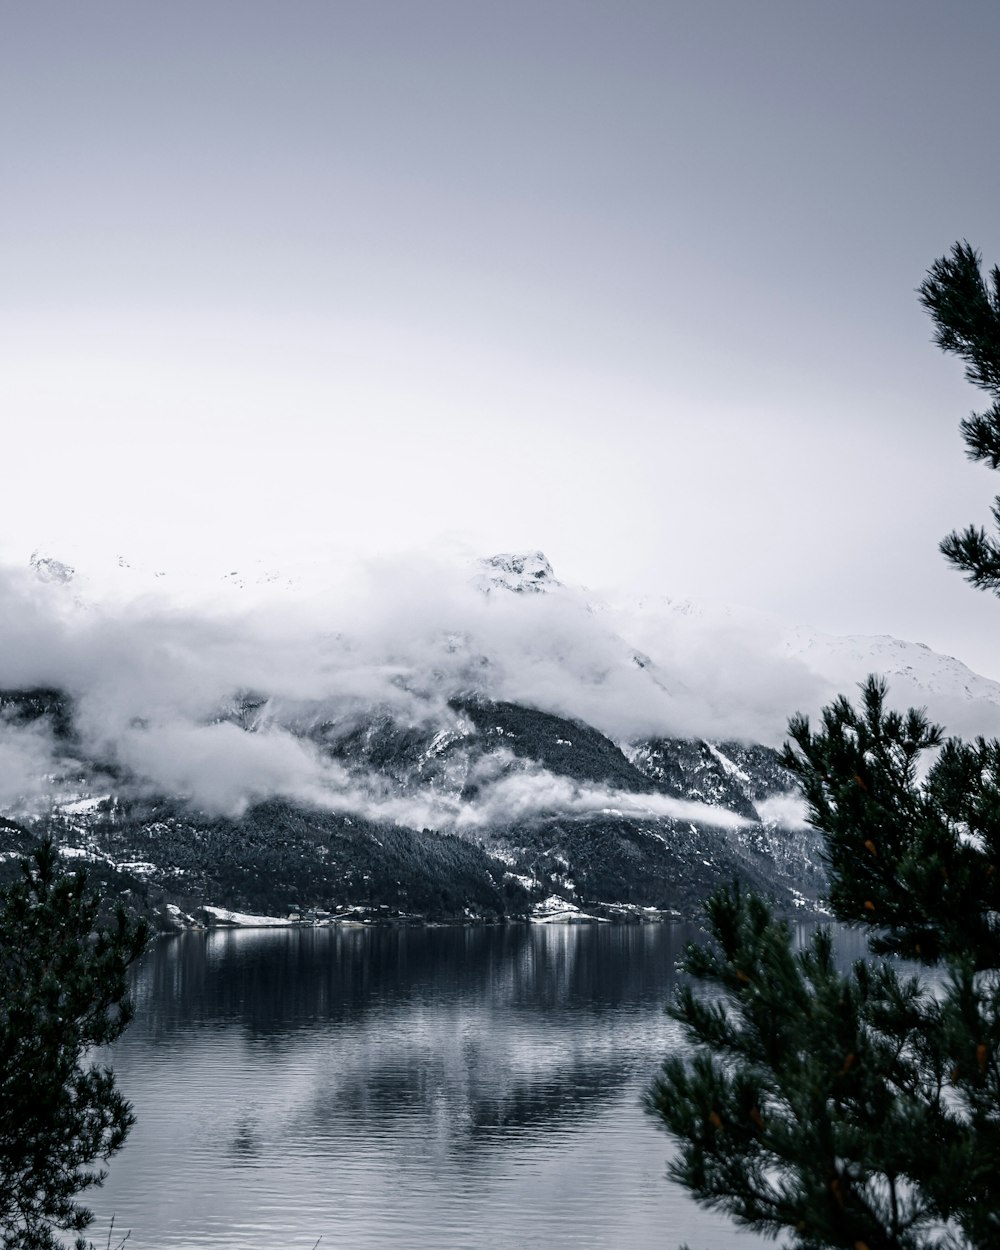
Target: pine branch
[974, 554]
[966, 313]
[981, 432]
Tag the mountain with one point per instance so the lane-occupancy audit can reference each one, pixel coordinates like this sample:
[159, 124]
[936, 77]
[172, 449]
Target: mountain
[545, 814]
[488, 746]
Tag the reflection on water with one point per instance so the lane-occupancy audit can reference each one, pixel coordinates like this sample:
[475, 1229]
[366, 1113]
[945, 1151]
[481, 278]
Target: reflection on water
[426, 1088]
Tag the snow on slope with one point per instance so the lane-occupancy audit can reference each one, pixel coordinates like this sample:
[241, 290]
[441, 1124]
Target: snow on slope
[914, 671]
[754, 669]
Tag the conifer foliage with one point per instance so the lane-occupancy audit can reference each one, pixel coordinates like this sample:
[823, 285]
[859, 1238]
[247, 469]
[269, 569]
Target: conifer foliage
[861, 1109]
[62, 991]
[965, 308]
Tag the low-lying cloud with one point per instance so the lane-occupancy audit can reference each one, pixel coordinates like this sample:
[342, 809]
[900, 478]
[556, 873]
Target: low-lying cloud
[211, 702]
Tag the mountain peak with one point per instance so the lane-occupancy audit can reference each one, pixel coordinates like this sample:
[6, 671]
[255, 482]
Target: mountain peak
[49, 570]
[522, 573]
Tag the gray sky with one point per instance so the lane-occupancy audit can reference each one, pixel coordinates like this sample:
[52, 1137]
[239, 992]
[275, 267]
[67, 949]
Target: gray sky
[629, 282]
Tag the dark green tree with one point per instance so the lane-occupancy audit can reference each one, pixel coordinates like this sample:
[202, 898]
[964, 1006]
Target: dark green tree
[861, 1109]
[63, 990]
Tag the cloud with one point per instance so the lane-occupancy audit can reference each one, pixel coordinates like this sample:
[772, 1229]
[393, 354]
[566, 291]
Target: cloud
[167, 691]
[27, 759]
[787, 810]
[223, 768]
[526, 794]
[523, 794]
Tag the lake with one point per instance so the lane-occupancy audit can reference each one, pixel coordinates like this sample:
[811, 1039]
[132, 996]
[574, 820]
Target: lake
[429, 1088]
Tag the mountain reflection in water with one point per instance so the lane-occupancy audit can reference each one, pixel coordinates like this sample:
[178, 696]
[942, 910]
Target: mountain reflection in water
[427, 1088]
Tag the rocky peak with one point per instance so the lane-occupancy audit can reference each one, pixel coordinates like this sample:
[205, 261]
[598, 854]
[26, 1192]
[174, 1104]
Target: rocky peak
[522, 573]
[49, 570]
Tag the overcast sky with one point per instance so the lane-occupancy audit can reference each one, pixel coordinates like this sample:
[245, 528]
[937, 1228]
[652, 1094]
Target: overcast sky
[630, 282]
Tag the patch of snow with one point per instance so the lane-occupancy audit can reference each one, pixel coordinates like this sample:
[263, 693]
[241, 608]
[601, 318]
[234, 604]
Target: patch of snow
[556, 910]
[78, 807]
[440, 742]
[733, 770]
[553, 904]
[800, 901]
[244, 919]
[645, 914]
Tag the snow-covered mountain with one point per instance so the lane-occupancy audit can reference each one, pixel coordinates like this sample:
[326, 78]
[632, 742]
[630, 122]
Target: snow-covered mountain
[486, 741]
[756, 652]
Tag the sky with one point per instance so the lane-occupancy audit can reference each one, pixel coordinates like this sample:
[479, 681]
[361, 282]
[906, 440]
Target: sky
[632, 283]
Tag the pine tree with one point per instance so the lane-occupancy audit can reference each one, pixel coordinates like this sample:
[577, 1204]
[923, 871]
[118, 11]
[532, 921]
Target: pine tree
[861, 1109]
[62, 991]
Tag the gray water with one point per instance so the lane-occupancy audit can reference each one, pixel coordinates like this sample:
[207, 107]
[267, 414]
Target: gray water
[439, 1088]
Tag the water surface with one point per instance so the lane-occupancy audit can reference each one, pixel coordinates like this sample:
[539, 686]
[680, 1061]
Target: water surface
[429, 1088]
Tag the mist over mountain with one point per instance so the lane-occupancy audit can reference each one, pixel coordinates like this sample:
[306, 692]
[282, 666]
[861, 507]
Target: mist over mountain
[487, 714]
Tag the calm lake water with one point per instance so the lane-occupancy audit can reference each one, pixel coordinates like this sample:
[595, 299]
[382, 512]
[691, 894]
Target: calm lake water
[433, 1089]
